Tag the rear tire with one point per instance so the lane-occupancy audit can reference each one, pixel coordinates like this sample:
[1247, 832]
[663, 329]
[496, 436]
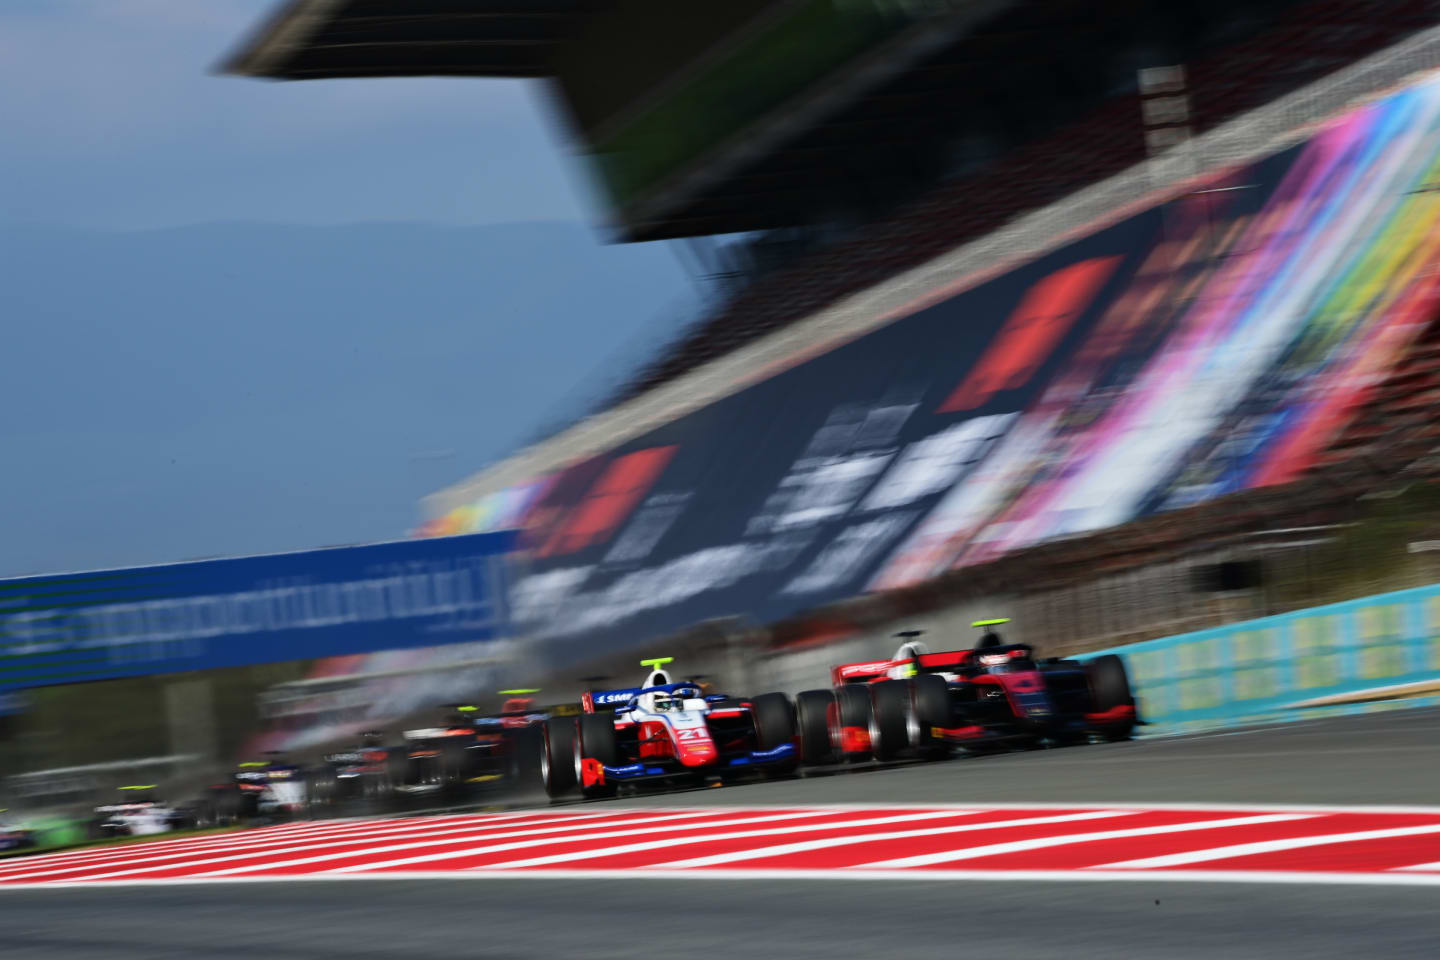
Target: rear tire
[774, 717]
[893, 728]
[932, 709]
[1110, 688]
[522, 765]
[229, 806]
[559, 756]
[455, 768]
[852, 709]
[597, 742]
[399, 770]
[322, 790]
[812, 715]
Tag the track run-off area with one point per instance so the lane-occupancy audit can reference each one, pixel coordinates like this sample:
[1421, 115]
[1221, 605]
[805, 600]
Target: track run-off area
[907, 822]
[1303, 840]
[816, 843]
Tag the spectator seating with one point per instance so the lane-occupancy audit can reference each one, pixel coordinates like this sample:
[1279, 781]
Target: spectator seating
[1318, 38]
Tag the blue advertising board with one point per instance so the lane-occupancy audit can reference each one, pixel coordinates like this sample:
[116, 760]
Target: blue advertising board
[76, 627]
[1376, 651]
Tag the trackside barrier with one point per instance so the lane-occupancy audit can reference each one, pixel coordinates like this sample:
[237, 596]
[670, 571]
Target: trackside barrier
[1378, 652]
[239, 611]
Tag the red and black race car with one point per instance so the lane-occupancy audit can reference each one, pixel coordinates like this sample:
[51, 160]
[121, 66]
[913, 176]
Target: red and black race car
[472, 747]
[994, 695]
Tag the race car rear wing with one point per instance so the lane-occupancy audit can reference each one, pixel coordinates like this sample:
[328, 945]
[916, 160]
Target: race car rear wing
[860, 672]
[550, 710]
[614, 699]
[601, 699]
[950, 658]
[878, 669]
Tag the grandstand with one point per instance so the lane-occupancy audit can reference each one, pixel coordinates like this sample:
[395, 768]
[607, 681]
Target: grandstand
[1307, 41]
[868, 164]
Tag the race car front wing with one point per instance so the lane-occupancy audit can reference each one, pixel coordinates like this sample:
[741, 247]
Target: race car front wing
[595, 774]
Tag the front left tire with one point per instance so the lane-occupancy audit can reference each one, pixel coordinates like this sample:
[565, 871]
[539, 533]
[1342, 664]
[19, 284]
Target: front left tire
[774, 717]
[559, 756]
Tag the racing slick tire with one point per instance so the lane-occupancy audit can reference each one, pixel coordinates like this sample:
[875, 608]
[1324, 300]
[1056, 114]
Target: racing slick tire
[454, 764]
[559, 756]
[932, 709]
[852, 709]
[774, 717]
[522, 766]
[1110, 688]
[229, 806]
[322, 790]
[399, 770]
[597, 742]
[893, 726]
[813, 709]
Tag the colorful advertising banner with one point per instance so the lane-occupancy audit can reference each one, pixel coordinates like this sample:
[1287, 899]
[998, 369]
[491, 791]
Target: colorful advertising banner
[1213, 345]
[1346, 657]
[77, 627]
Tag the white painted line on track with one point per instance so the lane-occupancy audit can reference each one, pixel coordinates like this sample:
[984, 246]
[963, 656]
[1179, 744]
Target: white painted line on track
[1041, 843]
[355, 850]
[1421, 866]
[1265, 846]
[642, 876]
[803, 846]
[600, 852]
[608, 834]
[1101, 804]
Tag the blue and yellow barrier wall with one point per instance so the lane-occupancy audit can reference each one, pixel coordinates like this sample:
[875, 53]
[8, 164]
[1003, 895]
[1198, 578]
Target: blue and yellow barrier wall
[1376, 653]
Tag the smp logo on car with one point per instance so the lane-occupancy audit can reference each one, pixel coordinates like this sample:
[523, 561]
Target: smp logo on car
[629, 770]
[784, 750]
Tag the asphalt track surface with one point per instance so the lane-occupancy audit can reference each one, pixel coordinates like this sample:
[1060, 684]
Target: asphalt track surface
[1381, 758]
[1389, 759]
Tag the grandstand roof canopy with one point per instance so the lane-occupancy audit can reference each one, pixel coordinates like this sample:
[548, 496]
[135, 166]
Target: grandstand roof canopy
[740, 78]
[400, 38]
[723, 116]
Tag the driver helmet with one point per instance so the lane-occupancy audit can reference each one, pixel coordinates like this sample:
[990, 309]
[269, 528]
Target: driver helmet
[664, 703]
[986, 651]
[989, 641]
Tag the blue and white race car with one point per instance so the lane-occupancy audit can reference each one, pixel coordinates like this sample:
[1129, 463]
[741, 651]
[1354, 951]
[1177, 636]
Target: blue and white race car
[666, 732]
[13, 837]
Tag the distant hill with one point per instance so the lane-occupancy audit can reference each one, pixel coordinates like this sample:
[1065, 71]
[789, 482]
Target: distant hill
[240, 388]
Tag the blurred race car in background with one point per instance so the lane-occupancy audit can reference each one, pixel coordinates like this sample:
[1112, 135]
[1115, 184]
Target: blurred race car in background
[138, 814]
[665, 732]
[13, 837]
[471, 747]
[995, 695]
[360, 773]
[258, 788]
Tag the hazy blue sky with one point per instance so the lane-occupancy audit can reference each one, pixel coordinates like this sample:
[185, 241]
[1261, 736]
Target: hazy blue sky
[113, 117]
[245, 316]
